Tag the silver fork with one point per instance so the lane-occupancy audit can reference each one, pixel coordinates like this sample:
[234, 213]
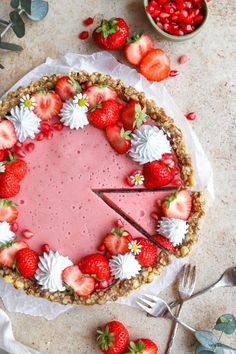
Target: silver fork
[187, 282]
[154, 306]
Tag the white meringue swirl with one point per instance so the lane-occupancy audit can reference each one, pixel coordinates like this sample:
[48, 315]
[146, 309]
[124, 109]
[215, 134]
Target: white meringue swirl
[124, 266]
[50, 268]
[174, 229]
[148, 143]
[74, 112]
[6, 235]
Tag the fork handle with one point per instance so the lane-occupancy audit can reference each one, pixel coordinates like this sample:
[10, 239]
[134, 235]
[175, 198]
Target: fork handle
[174, 331]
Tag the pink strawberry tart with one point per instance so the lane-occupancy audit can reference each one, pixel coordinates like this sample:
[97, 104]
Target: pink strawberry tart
[95, 189]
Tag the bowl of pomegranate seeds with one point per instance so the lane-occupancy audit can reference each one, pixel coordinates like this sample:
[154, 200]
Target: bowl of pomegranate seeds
[177, 20]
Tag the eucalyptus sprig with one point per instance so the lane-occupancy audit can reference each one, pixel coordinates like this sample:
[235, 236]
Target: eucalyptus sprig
[209, 343]
[35, 10]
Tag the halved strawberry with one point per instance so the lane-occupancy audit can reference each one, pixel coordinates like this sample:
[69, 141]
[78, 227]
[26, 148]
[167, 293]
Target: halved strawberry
[137, 47]
[47, 104]
[117, 241]
[82, 286]
[67, 87]
[155, 66]
[99, 93]
[178, 205]
[165, 243]
[133, 115]
[118, 138]
[8, 211]
[8, 136]
[8, 252]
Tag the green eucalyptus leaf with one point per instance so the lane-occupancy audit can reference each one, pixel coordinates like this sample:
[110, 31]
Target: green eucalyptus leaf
[203, 350]
[18, 25]
[226, 323]
[10, 46]
[15, 4]
[207, 339]
[39, 9]
[26, 6]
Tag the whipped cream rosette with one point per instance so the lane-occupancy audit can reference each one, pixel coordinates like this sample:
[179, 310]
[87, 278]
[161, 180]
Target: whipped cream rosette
[174, 229]
[124, 266]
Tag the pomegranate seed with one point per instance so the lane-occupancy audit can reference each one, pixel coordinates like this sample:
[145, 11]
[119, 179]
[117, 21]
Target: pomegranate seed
[169, 9]
[45, 127]
[58, 126]
[164, 15]
[174, 17]
[191, 116]
[84, 35]
[14, 227]
[49, 134]
[167, 27]
[27, 234]
[183, 59]
[188, 20]
[160, 25]
[188, 5]
[159, 203]
[88, 21]
[29, 147]
[40, 136]
[101, 248]
[2, 154]
[154, 215]
[177, 182]
[45, 248]
[198, 19]
[129, 181]
[162, 2]
[19, 152]
[119, 223]
[174, 73]
[180, 4]
[18, 144]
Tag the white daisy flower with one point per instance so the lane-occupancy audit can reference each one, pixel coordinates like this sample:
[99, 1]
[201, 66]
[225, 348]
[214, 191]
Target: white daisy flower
[2, 167]
[28, 102]
[137, 179]
[134, 247]
[81, 101]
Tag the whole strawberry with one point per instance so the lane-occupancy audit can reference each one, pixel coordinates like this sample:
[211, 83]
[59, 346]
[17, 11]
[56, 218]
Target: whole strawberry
[95, 265]
[117, 241]
[111, 34]
[112, 338]
[156, 174]
[165, 243]
[142, 346]
[27, 262]
[148, 252]
[133, 115]
[104, 114]
[67, 87]
[119, 138]
[17, 168]
[9, 186]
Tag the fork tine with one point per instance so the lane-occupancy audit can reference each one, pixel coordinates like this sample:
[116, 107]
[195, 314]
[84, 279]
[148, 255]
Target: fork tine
[151, 297]
[185, 275]
[147, 302]
[193, 277]
[145, 308]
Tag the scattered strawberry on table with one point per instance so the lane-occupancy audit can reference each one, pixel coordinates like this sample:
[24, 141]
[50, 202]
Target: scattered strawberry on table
[137, 47]
[155, 66]
[112, 338]
[142, 346]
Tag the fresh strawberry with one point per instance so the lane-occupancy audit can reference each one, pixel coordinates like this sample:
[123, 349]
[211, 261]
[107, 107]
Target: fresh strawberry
[178, 205]
[9, 186]
[111, 34]
[116, 242]
[95, 265]
[16, 168]
[112, 338]
[8, 211]
[156, 174]
[149, 252]
[133, 115]
[8, 252]
[47, 104]
[2, 154]
[74, 279]
[8, 136]
[155, 65]
[137, 47]
[26, 262]
[165, 243]
[67, 87]
[142, 346]
[99, 93]
[104, 114]
[119, 138]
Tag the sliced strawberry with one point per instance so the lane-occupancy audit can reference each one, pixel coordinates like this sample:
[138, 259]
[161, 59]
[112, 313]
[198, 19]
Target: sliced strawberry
[178, 205]
[165, 243]
[155, 66]
[8, 211]
[8, 252]
[83, 286]
[118, 138]
[137, 47]
[47, 104]
[133, 115]
[8, 136]
[99, 93]
[67, 87]
[117, 241]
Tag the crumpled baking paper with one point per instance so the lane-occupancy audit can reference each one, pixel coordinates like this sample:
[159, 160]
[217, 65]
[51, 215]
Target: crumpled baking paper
[104, 62]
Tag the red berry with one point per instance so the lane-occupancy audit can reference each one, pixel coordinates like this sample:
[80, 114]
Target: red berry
[19, 144]
[118, 223]
[14, 227]
[27, 262]
[84, 35]
[27, 234]
[40, 136]
[19, 152]
[191, 116]
[154, 215]
[58, 126]
[149, 252]
[174, 73]
[45, 248]
[29, 147]
[49, 134]
[113, 338]
[45, 127]
[88, 21]
[183, 59]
